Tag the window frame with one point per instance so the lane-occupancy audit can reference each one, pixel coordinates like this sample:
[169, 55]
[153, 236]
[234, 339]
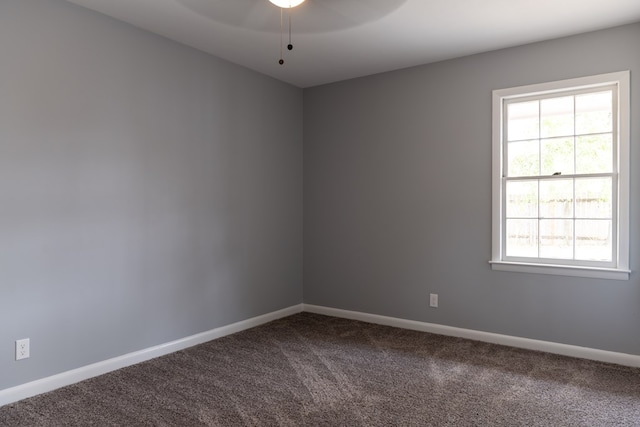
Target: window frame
[619, 267]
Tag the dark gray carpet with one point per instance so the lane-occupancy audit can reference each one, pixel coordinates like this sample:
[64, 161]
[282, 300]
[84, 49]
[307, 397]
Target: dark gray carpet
[314, 370]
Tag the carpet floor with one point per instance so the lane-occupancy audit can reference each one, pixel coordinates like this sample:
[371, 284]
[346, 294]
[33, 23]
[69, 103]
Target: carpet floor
[312, 370]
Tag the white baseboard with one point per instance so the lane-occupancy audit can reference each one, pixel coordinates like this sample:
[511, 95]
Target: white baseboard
[53, 382]
[526, 343]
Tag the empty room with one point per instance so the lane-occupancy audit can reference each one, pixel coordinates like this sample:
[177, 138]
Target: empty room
[320, 212]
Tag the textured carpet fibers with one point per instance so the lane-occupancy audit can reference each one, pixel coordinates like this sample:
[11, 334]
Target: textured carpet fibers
[312, 370]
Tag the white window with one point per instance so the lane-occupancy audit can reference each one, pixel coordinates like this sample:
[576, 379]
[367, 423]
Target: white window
[561, 177]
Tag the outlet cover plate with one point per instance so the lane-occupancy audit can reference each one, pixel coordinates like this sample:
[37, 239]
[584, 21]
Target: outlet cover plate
[433, 300]
[22, 349]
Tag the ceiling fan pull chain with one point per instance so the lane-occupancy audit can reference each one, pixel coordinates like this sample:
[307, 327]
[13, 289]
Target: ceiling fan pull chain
[281, 61]
[290, 46]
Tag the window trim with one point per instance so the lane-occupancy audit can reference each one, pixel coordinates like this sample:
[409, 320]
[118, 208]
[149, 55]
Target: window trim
[621, 269]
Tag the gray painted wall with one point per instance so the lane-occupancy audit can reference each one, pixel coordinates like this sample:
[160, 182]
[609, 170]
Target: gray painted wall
[397, 198]
[148, 191]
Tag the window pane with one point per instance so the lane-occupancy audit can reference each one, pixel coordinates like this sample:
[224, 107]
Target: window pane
[556, 198]
[594, 154]
[593, 240]
[594, 113]
[522, 238]
[557, 156]
[556, 117]
[594, 198]
[522, 199]
[556, 239]
[524, 158]
[522, 120]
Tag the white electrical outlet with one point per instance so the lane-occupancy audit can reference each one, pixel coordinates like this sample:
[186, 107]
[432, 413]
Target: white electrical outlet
[22, 349]
[433, 300]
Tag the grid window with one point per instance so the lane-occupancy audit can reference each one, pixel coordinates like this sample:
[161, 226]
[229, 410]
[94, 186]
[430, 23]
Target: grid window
[560, 178]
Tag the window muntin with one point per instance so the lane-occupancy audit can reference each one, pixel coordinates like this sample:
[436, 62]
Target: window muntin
[557, 180]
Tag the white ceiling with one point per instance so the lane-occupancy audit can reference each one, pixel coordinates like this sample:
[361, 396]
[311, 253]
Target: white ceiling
[341, 39]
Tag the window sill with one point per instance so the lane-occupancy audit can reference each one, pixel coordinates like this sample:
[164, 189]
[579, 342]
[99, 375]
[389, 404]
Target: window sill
[591, 272]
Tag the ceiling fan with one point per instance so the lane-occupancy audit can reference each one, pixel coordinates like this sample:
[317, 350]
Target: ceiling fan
[285, 4]
[312, 16]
